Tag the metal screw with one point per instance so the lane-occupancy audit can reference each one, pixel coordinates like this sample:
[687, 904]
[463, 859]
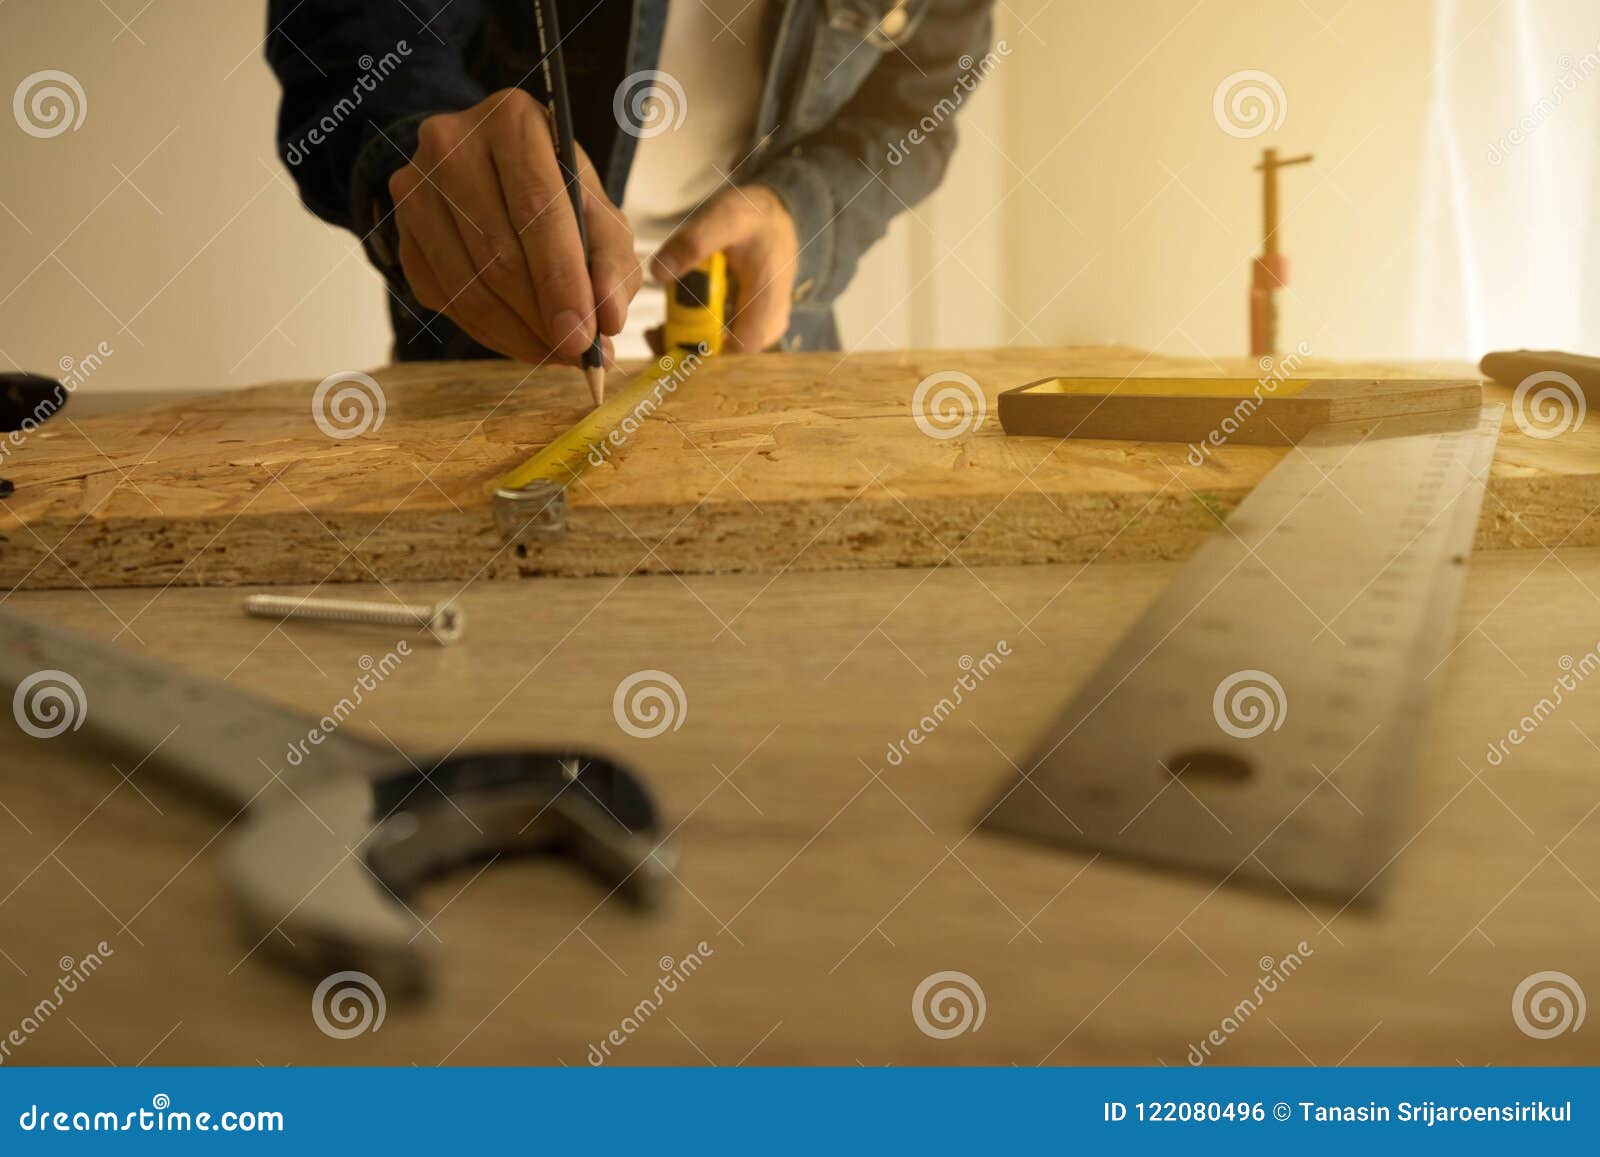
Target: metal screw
[444, 620]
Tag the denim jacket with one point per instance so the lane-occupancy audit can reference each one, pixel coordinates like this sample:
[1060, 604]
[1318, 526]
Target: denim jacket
[856, 116]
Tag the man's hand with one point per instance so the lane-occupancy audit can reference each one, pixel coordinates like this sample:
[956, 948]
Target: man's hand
[752, 226]
[488, 237]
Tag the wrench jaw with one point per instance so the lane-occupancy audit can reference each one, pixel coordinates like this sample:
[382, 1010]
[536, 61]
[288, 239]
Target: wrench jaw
[323, 873]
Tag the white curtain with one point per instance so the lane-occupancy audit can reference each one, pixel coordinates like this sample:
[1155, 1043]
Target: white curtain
[1506, 241]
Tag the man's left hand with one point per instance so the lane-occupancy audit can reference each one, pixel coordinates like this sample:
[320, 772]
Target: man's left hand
[751, 224]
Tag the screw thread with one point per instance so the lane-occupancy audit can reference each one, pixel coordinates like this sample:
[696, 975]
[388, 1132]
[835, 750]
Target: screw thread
[337, 610]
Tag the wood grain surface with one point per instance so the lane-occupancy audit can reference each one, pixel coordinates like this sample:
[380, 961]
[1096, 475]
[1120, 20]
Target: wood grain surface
[827, 881]
[756, 464]
[1255, 411]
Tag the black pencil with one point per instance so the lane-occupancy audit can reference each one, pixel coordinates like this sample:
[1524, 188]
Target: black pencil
[555, 83]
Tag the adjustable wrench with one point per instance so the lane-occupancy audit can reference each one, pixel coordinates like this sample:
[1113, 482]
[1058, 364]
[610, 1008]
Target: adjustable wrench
[326, 851]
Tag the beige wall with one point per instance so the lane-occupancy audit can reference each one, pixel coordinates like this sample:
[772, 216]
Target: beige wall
[1132, 216]
[165, 225]
[1138, 216]
[1094, 197]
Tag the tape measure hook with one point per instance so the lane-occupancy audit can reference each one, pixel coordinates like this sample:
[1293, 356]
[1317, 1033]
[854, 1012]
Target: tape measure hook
[532, 512]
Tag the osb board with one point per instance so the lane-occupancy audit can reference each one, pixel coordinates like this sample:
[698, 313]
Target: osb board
[758, 463]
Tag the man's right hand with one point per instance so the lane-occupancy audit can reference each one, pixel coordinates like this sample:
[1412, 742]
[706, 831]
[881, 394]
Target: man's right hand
[488, 237]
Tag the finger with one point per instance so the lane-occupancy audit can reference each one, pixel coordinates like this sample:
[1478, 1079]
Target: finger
[457, 290]
[420, 276]
[720, 225]
[541, 215]
[468, 183]
[763, 308]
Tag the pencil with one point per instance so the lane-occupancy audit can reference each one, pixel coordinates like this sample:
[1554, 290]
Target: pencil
[555, 83]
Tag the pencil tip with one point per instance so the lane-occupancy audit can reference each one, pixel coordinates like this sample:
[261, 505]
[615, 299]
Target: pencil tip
[596, 377]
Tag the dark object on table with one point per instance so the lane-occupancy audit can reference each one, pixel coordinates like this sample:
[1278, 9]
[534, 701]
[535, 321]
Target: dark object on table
[7, 488]
[26, 400]
[1513, 367]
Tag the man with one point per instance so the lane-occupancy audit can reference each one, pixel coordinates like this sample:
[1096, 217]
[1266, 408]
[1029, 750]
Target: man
[774, 130]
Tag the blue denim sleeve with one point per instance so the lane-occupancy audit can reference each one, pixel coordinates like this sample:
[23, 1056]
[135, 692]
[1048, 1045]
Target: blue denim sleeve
[885, 150]
[358, 76]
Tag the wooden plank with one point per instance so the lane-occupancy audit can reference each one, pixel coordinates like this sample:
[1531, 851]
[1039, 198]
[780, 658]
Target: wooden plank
[756, 464]
[1210, 412]
[827, 880]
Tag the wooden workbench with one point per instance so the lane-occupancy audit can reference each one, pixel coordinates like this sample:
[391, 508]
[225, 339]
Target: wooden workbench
[826, 882]
[751, 465]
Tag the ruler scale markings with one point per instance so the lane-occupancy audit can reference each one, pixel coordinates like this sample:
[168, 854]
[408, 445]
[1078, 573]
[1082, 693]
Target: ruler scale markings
[1339, 581]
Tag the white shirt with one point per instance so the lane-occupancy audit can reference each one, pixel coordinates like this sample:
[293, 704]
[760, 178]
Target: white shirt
[699, 116]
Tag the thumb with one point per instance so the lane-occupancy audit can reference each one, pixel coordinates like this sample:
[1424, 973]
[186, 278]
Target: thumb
[718, 226]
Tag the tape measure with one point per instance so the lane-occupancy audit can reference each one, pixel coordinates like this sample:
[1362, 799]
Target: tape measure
[530, 501]
[1262, 720]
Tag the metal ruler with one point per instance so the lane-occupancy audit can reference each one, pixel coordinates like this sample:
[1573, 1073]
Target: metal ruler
[1263, 719]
